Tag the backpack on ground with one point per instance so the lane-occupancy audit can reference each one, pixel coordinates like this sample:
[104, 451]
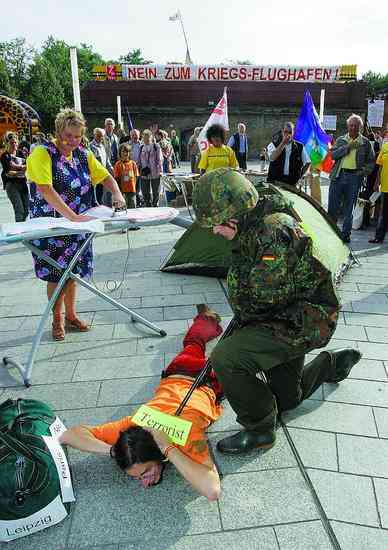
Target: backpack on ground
[35, 480]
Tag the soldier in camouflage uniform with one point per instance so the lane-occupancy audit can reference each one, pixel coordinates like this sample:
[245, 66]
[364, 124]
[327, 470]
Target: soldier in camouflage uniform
[284, 305]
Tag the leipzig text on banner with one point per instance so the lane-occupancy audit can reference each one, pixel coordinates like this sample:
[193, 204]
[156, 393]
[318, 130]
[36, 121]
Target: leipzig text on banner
[206, 73]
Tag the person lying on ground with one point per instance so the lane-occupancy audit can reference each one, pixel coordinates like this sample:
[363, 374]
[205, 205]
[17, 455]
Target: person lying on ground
[142, 453]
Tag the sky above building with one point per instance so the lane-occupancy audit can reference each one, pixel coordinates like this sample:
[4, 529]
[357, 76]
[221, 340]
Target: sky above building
[280, 32]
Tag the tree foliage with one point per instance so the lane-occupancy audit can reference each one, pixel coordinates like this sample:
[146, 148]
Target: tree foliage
[376, 82]
[134, 57]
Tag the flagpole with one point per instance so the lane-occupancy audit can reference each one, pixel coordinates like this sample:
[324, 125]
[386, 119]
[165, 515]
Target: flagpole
[184, 33]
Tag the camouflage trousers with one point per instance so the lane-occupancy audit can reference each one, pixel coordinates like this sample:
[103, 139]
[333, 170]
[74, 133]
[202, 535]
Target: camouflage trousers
[238, 361]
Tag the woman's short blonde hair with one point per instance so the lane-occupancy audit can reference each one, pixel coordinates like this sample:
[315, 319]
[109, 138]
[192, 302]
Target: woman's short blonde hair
[69, 117]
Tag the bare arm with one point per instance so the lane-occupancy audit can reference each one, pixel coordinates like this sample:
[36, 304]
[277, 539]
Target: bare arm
[81, 438]
[203, 478]
[17, 167]
[111, 185]
[279, 149]
[378, 180]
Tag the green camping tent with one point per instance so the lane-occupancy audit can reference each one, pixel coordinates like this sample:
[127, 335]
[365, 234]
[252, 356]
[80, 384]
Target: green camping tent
[200, 252]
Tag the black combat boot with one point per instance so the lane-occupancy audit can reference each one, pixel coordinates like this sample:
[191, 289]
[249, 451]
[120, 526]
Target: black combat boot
[343, 360]
[245, 441]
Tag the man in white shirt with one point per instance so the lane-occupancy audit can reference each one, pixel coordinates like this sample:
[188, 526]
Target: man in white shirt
[288, 158]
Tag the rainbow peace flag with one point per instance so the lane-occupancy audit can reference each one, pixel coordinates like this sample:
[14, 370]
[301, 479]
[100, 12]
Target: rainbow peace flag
[309, 131]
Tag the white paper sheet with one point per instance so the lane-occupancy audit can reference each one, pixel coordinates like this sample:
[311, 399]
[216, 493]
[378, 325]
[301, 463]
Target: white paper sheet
[39, 224]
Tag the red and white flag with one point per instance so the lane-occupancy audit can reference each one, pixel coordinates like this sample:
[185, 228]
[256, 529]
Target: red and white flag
[218, 116]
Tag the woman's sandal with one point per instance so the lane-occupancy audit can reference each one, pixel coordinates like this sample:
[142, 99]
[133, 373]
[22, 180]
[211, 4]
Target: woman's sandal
[58, 329]
[77, 325]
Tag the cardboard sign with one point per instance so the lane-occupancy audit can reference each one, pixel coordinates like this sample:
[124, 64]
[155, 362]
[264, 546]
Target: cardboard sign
[53, 513]
[174, 427]
[62, 466]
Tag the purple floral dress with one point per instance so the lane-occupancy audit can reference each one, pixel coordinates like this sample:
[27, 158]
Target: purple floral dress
[71, 179]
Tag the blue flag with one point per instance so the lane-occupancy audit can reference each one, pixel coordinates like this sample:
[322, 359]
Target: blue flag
[309, 131]
[129, 120]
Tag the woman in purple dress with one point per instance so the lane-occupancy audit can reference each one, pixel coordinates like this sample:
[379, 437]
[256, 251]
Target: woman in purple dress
[62, 176]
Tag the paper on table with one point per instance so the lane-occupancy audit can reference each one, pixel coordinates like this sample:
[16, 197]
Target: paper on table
[41, 224]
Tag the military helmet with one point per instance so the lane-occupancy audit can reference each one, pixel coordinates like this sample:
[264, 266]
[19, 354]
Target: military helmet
[222, 194]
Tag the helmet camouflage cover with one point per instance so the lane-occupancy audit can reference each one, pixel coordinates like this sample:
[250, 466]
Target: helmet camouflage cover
[222, 194]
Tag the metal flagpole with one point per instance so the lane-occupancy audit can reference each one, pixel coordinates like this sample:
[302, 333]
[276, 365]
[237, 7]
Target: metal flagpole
[188, 57]
[322, 105]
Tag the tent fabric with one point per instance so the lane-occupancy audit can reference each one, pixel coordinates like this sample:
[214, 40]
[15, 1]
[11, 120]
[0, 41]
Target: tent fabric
[200, 252]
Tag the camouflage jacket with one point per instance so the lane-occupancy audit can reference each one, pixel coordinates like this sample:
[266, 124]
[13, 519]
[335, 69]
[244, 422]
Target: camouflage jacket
[275, 281]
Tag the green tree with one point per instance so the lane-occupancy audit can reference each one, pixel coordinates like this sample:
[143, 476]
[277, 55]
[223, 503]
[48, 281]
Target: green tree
[134, 57]
[376, 82]
[5, 85]
[44, 91]
[17, 56]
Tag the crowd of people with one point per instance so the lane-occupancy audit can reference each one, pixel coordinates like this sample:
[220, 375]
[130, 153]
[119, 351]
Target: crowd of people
[138, 159]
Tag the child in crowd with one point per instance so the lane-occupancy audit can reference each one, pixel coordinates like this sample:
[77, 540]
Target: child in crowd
[126, 172]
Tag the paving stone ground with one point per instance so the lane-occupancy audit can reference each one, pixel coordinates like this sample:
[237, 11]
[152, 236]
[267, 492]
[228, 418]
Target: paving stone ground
[340, 434]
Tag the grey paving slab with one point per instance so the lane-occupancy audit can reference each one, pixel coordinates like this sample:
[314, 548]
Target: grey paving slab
[128, 330]
[147, 289]
[173, 300]
[179, 312]
[358, 537]
[131, 514]
[377, 289]
[332, 417]
[43, 373]
[366, 319]
[369, 369]
[303, 536]
[280, 456]
[346, 497]
[381, 487]
[157, 345]
[253, 499]
[73, 395]
[363, 455]
[350, 332]
[93, 416]
[122, 392]
[119, 367]
[367, 306]
[252, 539]
[377, 334]
[45, 351]
[10, 323]
[101, 349]
[317, 449]
[381, 416]
[362, 392]
[374, 351]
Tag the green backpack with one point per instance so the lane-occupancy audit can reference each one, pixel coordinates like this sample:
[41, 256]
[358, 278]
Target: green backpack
[35, 480]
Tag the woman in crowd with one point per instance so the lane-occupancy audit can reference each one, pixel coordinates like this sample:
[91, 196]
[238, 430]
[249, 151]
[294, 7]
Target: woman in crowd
[175, 143]
[62, 175]
[150, 168]
[14, 177]
[217, 155]
[167, 150]
[142, 453]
